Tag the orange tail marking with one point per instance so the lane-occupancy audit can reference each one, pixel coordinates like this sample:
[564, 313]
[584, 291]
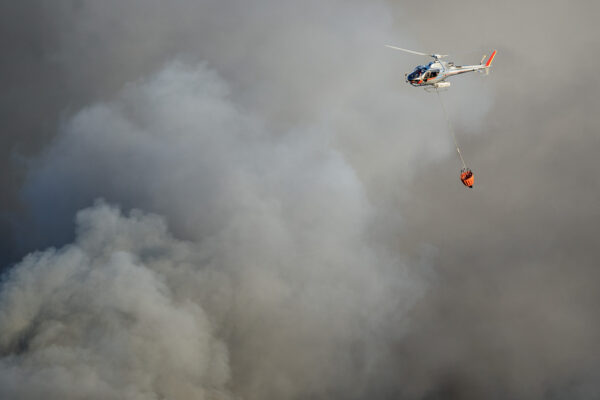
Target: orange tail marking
[489, 61]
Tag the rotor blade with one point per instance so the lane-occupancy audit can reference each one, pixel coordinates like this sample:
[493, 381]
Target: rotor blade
[417, 52]
[406, 50]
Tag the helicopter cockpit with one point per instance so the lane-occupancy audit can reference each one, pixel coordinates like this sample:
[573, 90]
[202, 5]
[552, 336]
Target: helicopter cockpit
[417, 72]
[422, 73]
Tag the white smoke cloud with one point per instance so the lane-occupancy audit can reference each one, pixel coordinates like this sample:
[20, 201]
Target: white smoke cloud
[281, 162]
[289, 173]
[98, 319]
[281, 258]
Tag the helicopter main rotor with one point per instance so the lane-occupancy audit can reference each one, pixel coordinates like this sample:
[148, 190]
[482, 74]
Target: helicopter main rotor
[435, 56]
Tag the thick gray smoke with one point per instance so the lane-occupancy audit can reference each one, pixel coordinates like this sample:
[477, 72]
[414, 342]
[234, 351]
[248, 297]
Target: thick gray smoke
[286, 263]
[108, 318]
[320, 243]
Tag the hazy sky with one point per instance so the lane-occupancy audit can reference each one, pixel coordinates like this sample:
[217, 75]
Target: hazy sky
[298, 227]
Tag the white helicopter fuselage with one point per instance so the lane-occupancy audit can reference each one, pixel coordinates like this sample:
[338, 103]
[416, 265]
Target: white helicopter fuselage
[436, 72]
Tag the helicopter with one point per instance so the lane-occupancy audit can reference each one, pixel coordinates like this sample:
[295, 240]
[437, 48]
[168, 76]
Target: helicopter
[434, 74]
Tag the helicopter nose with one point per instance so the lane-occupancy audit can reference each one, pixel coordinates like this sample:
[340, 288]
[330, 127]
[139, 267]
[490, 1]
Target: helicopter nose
[412, 78]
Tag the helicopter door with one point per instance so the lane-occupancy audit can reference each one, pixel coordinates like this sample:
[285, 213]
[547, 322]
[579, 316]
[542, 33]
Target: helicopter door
[430, 74]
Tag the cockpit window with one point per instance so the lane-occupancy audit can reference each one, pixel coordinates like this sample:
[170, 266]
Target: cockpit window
[417, 72]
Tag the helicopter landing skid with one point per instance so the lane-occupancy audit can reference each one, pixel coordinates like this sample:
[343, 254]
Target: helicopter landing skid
[433, 89]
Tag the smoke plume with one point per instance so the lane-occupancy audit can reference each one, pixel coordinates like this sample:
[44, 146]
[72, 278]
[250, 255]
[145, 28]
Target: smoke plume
[102, 318]
[280, 227]
[243, 200]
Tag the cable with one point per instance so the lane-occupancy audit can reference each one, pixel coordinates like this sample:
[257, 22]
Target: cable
[450, 129]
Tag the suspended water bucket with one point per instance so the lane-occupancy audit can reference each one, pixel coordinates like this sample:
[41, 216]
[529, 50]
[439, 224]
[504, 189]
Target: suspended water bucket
[467, 178]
